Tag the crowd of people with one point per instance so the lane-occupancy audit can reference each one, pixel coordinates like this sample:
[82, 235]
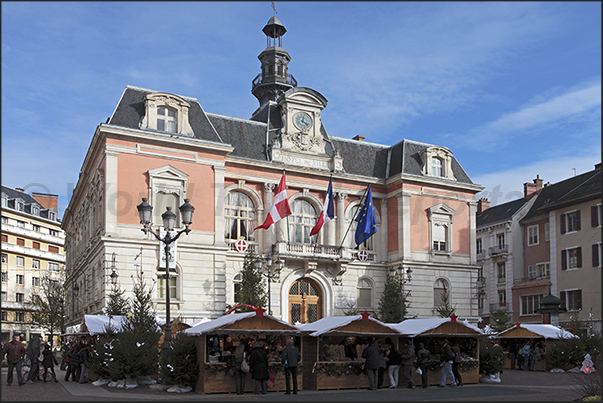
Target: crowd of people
[37, 352]
[525, 356]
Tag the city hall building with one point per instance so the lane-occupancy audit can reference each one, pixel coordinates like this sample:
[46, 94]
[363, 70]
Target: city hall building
[166, 148]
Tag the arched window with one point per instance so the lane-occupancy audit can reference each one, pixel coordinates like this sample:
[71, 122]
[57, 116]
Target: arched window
[236, 281]
[440, 290]
[167, 120]
[351, 239]
[303, 217]
[239, 216]
[365, 293]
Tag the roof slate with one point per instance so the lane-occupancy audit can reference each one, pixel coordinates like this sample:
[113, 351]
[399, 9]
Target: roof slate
[248, 137]
[499, 213]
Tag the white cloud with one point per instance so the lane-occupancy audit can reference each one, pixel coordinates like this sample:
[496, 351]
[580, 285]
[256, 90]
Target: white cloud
[506, 185]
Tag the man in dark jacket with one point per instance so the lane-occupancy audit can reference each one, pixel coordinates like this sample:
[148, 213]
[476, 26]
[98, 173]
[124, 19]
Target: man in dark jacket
[423, 359]
[290, 357]
[33, 352]
[446, 357]
[372, 355]
[14, 351]
[48, 362]
[408, 358]
[258, 362]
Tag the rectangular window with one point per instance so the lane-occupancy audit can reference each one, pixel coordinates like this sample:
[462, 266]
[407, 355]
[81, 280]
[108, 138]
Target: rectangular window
[4, 219]
[533, 235]
[597, 254]
[500, 240]
[436, 167]
[19, 317]
[570, 222]
[20, 278]
[20, 241]
[479, 246]
[36, 228]
[20, 261]
[20, 206]
[36, 245]
[53, 249]
[571, 300]
[166, 120]
[502, 298]
[595, 215]
[4, 238]
[439, 237]
[52, 215]
[20, 297]
[547, 232]
[161, 287]
[364, 297]
[35, 264]
[4, 298]
[4, 258]
[4, 313]
[571, 258]
[529, 303]
[53, 232]
[52, 266]
[20, 224]
[35, 281]
[4, 276]
[501, 272]
[540, 270]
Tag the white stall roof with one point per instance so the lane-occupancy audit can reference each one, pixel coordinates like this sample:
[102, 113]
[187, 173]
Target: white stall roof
[225, 320]
[546, 331]
[97, 324]
[330, 323]
[415, 327]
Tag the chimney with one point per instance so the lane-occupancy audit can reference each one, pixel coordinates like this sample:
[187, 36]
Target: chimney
[598, 166]
[47, 201]
[530, 189]
[482, 205]
[359, 137]
[20, 189]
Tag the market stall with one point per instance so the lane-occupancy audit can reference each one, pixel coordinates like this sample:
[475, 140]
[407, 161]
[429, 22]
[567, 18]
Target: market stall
[332, 351]
[539, 335]
[430, 332]
[217, 339]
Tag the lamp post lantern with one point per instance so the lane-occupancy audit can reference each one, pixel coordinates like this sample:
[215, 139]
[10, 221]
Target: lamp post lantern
[402, 277]
[169, 219]
[272, 271]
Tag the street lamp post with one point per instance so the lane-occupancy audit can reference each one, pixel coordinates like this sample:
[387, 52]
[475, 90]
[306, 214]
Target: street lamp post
[271, 271]
[169, 219]
[402, 278]
[113, 276]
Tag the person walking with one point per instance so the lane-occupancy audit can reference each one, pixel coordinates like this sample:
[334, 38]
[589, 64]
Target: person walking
[258, 362]
[408, 358]
[290, 357]
[83, 355]
[372, 356]
[240, 354]
[33, 353]
[534, 358]
[446, 358]
[395, 360]
[456, 361]
[14, 351]
[73, 363]
[423, 358]
[48, 362]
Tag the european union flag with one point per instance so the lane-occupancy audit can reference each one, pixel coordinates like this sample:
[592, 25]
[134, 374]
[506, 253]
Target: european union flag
[367, 225]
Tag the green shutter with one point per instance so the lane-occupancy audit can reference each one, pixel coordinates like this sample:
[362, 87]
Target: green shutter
[564, 259]
[562, 223]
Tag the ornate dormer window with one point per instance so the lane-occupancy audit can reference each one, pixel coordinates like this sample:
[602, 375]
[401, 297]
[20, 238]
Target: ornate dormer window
[437, 162]
[166, 113]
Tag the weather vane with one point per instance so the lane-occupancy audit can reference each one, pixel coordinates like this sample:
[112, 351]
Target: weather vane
[274, 8]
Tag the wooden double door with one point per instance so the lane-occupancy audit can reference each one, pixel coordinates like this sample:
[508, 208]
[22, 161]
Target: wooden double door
[305, 301]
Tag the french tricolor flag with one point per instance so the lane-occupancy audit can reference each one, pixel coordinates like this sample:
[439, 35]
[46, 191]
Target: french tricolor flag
[280, 206]
[328, 211]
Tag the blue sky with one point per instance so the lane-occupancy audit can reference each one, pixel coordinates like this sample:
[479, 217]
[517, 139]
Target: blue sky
[513, 89]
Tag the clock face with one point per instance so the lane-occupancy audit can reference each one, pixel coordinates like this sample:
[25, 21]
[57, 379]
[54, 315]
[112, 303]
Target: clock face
[303, 121]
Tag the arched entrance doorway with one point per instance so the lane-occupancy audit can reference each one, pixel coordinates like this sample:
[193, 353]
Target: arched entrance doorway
[305, 301]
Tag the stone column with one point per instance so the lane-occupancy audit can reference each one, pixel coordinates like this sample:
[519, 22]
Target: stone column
[219, 193]
[472, 230]
[341, 227]
[383, 249]
[266, 237]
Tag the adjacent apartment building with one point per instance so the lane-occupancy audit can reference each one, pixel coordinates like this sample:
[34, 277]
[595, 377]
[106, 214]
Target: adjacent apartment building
[166, 148]
[32, 247]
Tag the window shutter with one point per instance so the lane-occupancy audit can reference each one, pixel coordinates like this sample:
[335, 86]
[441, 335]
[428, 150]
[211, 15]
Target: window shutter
[579, 256]
[594, 219]
[595, 255]
[579, 299]
[563, 304]
[563, 223]
[578, 220]
[564, 259]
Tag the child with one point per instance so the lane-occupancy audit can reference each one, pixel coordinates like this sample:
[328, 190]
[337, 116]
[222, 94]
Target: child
[48, 362]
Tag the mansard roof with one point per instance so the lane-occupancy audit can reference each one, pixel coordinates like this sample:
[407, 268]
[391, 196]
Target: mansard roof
[28, 202]
[499, 213]
[248, 137]
[574, 190]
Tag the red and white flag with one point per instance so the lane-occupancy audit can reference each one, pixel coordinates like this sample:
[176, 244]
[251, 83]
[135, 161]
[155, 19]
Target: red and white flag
[280, 206]
[328, 211]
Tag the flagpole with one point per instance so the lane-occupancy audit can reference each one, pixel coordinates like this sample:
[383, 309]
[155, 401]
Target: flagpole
[286, 188]
[327, 195]
[356, 215]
